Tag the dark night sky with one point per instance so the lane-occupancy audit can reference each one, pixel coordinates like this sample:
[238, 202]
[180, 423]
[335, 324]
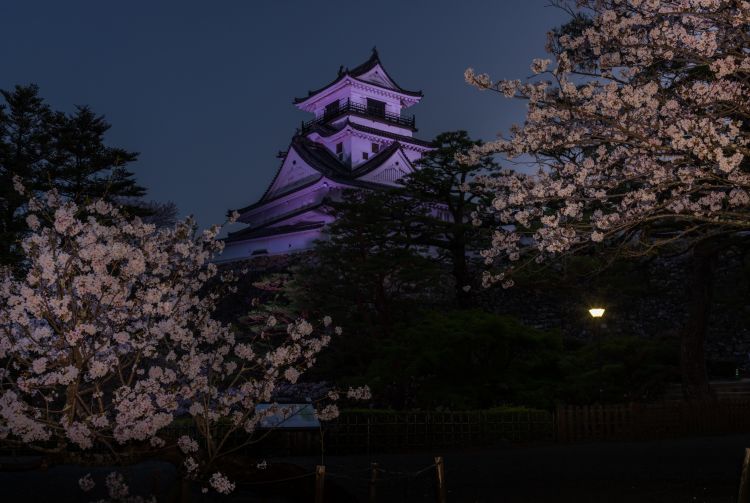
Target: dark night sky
[203, 89]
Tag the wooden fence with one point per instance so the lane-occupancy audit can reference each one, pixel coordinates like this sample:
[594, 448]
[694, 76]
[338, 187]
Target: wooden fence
[652, 420]
[377, 431]
[371, 432]
[410, 430]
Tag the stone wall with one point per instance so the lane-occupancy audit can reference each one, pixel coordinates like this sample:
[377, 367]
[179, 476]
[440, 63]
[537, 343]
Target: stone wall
[645, 300]
[649, 301]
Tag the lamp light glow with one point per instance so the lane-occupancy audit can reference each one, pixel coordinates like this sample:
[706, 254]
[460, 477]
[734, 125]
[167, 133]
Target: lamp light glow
[596, 312]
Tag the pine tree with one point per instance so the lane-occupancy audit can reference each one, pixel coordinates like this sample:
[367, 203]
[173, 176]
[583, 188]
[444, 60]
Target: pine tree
[444, 187]
[83, 167]
[25, 141]
[368, 275]
[53, 150]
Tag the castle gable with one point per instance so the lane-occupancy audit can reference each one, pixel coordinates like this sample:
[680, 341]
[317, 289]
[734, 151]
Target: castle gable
[389, 170]
[294, 172]
[379, 77]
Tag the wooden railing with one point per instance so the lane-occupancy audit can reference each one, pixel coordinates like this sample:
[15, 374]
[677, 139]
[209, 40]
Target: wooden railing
[348, 107]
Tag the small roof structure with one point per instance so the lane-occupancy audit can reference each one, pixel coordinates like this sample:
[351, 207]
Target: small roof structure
[294, 416]
[370, 72]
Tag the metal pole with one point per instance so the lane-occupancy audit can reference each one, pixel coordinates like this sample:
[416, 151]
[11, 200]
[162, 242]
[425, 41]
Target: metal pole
[599, 355]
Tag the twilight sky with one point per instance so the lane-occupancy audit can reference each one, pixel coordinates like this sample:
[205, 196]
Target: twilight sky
[203, 89]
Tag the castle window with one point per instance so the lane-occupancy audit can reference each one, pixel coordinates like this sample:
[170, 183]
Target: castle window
[375, 107]
[339, 148]
[365, 155]
[331, 109]
[375, 148]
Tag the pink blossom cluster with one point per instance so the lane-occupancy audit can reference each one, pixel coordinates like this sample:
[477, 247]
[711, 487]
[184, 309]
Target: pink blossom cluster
[638, 122]
[108, 337]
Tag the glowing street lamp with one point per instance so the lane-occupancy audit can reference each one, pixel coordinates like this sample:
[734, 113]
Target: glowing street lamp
[596, 312]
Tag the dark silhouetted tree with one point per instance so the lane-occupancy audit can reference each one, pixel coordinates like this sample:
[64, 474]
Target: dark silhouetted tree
[24, 152]
[444, 187]
[82, 167]
[47, 150]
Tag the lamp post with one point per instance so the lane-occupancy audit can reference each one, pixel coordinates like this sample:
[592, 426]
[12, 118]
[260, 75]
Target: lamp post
[597, 313]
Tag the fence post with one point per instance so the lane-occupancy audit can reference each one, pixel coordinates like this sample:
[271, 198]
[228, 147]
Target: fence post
[744, 496]
[442, 493]
[368, 436]
[373, 482]
[320, 478]
[559, 425]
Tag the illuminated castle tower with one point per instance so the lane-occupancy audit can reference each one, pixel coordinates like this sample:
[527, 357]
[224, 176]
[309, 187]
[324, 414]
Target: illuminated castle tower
[358, 138]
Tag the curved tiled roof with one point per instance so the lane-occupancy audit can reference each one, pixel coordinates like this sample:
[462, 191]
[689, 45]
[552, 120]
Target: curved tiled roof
[272, 231]
[263, 200]
[327, 130]
[358, 71]
[244, 233]
[375, 161]
[323, 161]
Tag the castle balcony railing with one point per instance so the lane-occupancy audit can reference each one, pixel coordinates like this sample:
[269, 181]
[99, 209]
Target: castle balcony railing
[347, 107]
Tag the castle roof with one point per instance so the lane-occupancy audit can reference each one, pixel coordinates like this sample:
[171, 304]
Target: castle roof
[323, 161]
[359, 71]
[252, 232]
[327, 130]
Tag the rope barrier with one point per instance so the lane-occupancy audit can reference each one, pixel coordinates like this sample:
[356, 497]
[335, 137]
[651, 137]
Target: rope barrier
[413, 474]
[396, 475]
[261, 482]
[420, 472]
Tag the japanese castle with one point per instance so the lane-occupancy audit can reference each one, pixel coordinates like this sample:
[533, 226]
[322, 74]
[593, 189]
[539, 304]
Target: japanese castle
[358, 138]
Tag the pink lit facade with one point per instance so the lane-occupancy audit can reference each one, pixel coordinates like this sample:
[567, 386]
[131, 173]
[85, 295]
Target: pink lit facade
[357, 138]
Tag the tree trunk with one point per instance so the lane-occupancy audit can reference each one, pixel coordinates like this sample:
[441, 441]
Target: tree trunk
[460, 277]
[460, 270]
[382, 306]
[695, 385]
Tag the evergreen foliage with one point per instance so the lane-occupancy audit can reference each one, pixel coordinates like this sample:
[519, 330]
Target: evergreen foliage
[25, 148]
[369, 274]
[465, 359]
[445, 187]
[49, 149]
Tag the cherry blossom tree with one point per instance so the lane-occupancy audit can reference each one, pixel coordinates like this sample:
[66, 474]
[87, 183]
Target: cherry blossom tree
[108, 339]
[639, 124]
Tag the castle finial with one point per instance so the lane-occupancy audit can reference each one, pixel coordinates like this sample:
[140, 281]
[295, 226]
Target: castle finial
[375, 51]
[341, 69]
